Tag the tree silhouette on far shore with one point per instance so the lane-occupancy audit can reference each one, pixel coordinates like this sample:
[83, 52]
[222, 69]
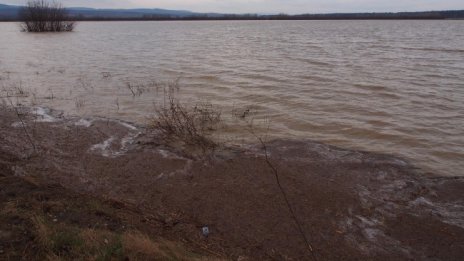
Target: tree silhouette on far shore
[45, 16]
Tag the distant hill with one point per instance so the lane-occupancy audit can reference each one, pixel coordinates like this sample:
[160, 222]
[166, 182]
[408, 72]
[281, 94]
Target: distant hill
[10, 13]
[125, 13]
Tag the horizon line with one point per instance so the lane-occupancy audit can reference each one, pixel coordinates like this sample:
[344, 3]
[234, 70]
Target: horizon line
[252, 13]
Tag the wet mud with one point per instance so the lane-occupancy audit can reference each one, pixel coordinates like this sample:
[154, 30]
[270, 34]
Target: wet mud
[351, 205]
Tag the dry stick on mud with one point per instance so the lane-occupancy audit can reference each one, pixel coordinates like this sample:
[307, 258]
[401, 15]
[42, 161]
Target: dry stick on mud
[282, 191]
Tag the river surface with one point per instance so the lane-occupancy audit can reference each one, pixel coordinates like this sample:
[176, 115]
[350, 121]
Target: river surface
[394, 87]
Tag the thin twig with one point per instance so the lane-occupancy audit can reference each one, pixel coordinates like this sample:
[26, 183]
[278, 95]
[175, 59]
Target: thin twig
[284, 194]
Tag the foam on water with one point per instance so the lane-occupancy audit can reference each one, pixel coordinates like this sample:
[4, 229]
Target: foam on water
[17, 124]
[103, 147]
[127, 125]
[43, 115]
[84, 123]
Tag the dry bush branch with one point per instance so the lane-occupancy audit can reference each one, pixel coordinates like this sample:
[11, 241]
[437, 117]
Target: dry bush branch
[191, 125]
[79, 102]
[137, 89]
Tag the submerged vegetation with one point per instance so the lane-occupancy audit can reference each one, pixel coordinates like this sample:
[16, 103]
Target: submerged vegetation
[45, 16]
[199, 125]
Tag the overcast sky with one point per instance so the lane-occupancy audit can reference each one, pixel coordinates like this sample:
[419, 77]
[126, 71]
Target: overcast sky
[270, 6]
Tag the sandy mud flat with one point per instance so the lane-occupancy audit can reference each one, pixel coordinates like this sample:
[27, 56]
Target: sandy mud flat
[351, 205]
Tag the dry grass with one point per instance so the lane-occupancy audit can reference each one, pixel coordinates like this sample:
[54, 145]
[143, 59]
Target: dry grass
[14, 90]
[139, 245]
[60, 241]
[42, 232]
[48, 237]
[101, 244]
[9, 208]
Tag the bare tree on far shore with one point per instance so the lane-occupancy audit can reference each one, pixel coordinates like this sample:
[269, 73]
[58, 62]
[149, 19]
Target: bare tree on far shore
[45, 16]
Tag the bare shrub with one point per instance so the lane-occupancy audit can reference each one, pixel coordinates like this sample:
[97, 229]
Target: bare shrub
[79, 102]
[20, 91]
[84, 83]
[191, 125]
[242, 113]
[45, 16]
[14, 90]
[106, 75]
[137, 89]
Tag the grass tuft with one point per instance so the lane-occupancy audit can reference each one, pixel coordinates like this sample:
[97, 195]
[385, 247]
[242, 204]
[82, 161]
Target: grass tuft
[139, 245]
[66, 241]
[42, 231]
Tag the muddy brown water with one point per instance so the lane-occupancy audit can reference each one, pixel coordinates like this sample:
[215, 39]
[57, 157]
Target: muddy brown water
[394, 87]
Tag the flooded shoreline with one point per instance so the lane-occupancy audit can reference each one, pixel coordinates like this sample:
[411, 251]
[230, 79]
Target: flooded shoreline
[391, 87]
[351, 204]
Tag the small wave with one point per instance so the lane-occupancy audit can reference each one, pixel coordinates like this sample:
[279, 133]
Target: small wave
[389, 95]
[370, 87]
[433, 49]
[312, 62]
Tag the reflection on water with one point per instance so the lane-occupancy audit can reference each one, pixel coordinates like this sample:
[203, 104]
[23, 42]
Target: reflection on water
[388, 86]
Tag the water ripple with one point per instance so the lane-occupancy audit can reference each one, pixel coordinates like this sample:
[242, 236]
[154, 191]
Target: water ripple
[388, 86]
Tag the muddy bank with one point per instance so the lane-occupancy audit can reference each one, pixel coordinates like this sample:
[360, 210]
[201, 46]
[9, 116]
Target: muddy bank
[351, 205]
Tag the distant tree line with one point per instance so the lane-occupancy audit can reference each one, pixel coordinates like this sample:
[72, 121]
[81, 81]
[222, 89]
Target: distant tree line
[436, 15]
[41, 6]
[45, 16]
[373, 16]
